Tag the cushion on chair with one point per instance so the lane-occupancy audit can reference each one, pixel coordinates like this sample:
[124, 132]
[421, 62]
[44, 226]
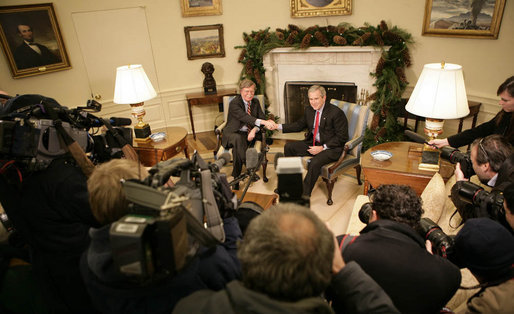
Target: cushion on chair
[357, 119]
[434, 197]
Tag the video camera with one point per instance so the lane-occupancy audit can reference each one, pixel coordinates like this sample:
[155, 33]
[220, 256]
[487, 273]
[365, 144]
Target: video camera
[487, 204]
[454, 156]
[29, 137]
[442, 244]
[290, 182]
[166, 225]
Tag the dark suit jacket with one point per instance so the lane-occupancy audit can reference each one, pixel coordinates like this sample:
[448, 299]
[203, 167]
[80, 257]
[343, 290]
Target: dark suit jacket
[238, 117]
[25, 57]
[483, 130]
[333, 126]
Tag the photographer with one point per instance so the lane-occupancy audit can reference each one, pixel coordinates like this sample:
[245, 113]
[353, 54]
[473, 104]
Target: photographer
[492, 159]
[502, 123]
[509, 204]
[113, 292]
[288, 259]
[393, 253]
[487, 250]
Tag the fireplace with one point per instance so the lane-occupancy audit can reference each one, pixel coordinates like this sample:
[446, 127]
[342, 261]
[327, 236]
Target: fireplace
[318, 64]
[296, 96]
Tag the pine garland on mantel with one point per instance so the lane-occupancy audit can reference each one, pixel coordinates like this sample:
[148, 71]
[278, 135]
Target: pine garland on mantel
[390, 71]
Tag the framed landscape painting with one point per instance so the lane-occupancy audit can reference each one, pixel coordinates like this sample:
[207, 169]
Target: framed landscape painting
[200, 7]
[31, 40]
[468, 19]
[204, 41]
[312, 8]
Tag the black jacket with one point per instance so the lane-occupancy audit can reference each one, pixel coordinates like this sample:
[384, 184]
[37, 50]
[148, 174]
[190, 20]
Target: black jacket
[238, 117]
[394, 255]
[333, 126]
[114, 293]
[25, 57]
[483, 130]
[351, 290]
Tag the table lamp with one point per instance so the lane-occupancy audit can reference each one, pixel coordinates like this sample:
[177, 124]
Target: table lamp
[439, 94]
[133, 88]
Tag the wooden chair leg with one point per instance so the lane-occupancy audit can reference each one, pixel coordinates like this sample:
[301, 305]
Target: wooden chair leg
[358, 171]
[330, 188]
[264, 166]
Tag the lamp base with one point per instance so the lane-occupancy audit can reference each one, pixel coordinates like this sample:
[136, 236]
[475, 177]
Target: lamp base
[142, 132]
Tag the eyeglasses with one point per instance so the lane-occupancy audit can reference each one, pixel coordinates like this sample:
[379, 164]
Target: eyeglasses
[482, 148]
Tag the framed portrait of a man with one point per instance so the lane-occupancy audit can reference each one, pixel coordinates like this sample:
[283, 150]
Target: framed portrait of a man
[31, 40]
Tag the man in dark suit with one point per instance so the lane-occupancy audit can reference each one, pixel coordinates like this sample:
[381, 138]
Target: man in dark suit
[324, 142]
[244, 118]
[30, 54]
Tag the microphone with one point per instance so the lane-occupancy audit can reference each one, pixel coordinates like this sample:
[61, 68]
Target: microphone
[222, 161]
[114, 121]
[252, 159]
[415, 137]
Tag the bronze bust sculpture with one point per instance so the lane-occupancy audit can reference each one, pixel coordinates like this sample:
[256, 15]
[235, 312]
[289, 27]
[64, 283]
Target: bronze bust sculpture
[209, 84]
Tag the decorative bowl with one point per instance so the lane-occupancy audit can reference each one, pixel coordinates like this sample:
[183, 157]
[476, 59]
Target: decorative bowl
[381, 155]
[157, 137]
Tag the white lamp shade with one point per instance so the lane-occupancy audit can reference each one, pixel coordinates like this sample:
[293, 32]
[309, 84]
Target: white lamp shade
[440, 93]
[132, 85]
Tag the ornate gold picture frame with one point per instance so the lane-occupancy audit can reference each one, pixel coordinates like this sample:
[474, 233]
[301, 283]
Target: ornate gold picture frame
[457, 19]
[312, 8]
[31, 40]
[200, 7]
[204, 41]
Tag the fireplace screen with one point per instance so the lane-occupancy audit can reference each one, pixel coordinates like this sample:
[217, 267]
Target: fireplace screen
[296, 98]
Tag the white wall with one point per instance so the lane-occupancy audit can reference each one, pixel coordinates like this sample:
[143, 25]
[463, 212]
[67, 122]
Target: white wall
[486, 63]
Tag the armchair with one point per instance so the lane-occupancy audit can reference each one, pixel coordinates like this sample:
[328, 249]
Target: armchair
[357, 120]
[260, 146]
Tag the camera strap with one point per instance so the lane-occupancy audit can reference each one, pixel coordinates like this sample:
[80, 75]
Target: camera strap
[211, 212]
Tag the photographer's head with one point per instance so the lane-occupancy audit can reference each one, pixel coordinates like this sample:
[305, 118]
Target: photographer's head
[488, 155]
[396, 202]
[106, 195]
[508, 204]
[486, 248]
[506, 93]
[287, 253]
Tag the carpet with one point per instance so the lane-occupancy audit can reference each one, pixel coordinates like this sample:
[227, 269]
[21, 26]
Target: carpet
[337, 215]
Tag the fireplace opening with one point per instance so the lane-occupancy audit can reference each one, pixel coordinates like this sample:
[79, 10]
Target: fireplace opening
[296, 98]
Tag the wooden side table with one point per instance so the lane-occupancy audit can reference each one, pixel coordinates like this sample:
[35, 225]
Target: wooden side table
[402, 168]
[153, 152]
[197, 99]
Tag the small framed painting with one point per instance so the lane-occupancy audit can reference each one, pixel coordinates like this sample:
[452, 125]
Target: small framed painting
[204, 41]
[200, 7]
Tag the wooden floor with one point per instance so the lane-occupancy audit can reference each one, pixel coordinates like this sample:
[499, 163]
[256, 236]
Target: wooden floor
[345, 192]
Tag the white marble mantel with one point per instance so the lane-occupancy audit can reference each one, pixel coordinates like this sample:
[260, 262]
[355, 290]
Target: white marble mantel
[327, 64]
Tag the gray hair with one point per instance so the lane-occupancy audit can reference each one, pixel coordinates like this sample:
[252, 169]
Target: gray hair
[321, 89]
[287, 253]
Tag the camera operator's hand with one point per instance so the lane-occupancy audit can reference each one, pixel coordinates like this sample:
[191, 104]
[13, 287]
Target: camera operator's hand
[428, 246]
[337, 261]
[459, 175]
[439, 142]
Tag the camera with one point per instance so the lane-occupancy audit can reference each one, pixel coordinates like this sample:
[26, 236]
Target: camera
[486, 204]
[454, 156]
[290, 182]
[442, 244]
[428, 229]
[166, 226]
[28, 133]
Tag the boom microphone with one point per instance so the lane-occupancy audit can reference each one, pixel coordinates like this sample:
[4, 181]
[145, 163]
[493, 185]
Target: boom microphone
[222, 161]
[252, 158]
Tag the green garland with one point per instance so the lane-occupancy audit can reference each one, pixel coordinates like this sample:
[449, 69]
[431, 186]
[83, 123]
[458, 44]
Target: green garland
[390, 71]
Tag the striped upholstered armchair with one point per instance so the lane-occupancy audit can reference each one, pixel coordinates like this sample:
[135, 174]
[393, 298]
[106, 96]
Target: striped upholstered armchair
[357, 120]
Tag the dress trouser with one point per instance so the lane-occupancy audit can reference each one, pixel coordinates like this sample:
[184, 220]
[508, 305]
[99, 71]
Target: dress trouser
[239, 143]
[299, 148]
